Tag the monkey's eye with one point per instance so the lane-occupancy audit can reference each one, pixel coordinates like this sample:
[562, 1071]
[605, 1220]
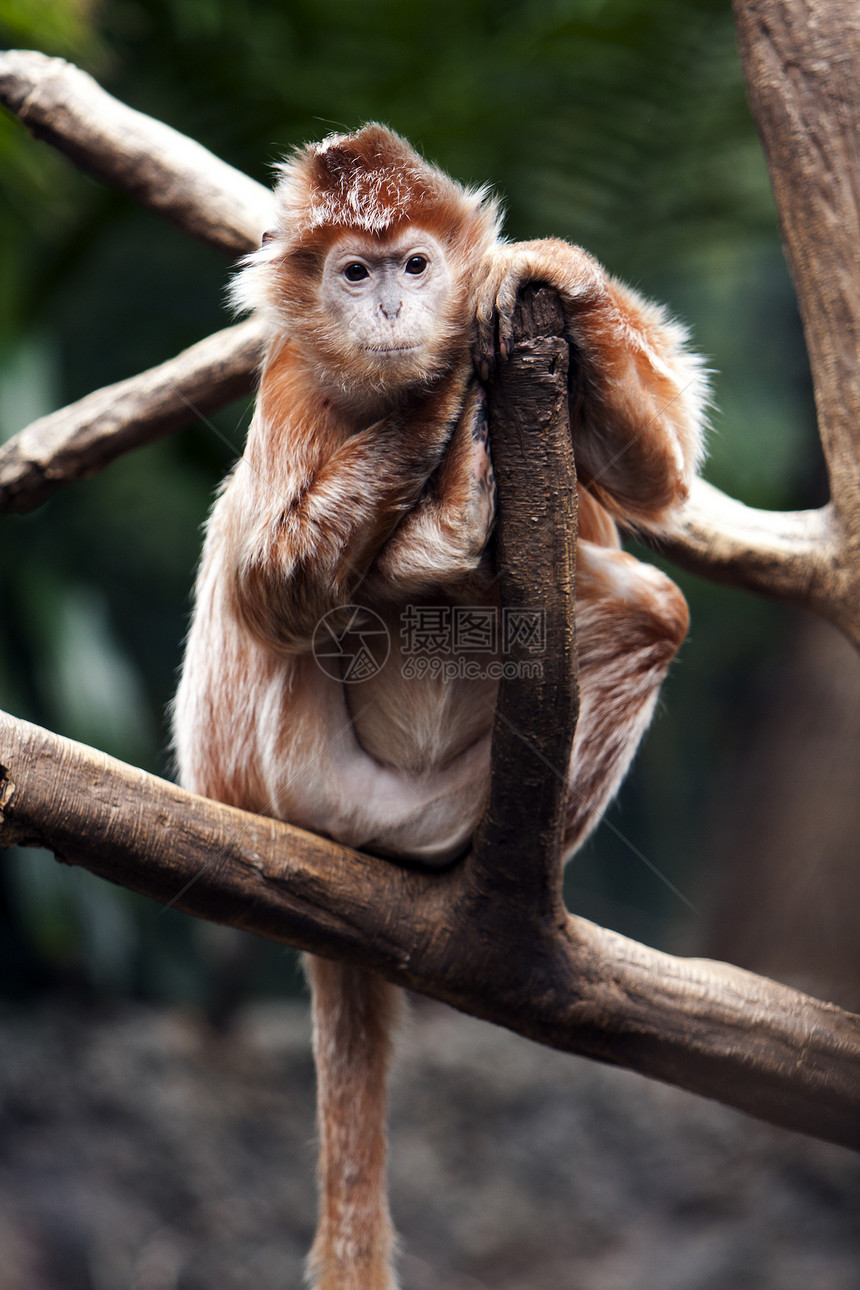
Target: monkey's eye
[416, 264]
[355, 272]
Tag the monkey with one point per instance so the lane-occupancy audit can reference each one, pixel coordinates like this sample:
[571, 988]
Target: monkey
[366, 488]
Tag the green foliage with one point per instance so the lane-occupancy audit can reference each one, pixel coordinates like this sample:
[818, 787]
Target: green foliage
[620, 124]
[62, 27]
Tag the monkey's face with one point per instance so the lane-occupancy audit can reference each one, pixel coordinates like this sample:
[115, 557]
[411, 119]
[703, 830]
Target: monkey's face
[390, 307]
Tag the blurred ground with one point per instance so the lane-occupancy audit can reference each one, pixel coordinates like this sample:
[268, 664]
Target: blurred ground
[142, 1151]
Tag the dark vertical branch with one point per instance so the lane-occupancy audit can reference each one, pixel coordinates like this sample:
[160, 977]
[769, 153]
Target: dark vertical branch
[517, 847]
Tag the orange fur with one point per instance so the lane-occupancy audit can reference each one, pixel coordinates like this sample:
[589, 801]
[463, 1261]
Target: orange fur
[367, 477]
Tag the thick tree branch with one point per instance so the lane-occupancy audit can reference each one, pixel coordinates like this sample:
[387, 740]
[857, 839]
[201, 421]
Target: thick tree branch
[88, 435]
[802, 64]
[787, 555]
[704, 1026]
[154, 164]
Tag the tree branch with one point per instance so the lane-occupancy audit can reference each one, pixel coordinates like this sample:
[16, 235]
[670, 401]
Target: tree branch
[83, 438]
[782, 554]
[516, 854]
[802, 64]
[154, 164]
[703, 1026]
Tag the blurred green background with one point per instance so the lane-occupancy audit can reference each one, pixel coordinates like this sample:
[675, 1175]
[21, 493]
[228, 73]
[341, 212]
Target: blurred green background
[619, 124]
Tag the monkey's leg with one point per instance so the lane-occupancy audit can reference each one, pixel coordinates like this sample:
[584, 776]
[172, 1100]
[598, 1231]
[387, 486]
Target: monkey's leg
[630, 621]
[354, 1017]
[441, 541]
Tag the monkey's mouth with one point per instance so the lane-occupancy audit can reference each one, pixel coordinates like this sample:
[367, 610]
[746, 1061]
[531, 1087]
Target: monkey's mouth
[390, 349]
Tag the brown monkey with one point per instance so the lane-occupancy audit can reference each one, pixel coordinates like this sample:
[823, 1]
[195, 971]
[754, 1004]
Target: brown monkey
[367, 478]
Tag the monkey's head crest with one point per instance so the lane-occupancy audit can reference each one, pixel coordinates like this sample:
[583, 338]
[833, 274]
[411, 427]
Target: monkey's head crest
[372, 181]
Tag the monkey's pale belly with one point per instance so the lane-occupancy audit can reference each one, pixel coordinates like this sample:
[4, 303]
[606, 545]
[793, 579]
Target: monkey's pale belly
[326, 779]
[420, 716]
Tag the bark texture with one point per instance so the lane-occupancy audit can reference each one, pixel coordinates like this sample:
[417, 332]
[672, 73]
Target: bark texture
[536, 552]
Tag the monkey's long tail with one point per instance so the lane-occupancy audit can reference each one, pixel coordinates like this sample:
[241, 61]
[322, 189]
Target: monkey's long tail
[354, 1018]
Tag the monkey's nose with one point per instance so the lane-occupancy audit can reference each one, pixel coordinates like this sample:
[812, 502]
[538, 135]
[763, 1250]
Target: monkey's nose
[390, 306]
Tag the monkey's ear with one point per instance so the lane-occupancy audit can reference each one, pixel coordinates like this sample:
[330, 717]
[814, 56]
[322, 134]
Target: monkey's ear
[268, 235]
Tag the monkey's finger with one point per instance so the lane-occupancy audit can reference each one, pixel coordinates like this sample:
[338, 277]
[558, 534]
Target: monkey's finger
[484, 347]
[507, 302]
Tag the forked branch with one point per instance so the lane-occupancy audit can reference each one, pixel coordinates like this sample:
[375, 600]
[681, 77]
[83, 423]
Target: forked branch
[707, 1027]
[490, 935]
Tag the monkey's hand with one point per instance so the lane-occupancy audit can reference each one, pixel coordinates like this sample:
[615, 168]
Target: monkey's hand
[503, 274]
[638, 416]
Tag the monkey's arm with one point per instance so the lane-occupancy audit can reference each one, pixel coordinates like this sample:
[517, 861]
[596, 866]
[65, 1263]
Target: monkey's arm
[307, 538]
[440, 541]
[639, 396]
